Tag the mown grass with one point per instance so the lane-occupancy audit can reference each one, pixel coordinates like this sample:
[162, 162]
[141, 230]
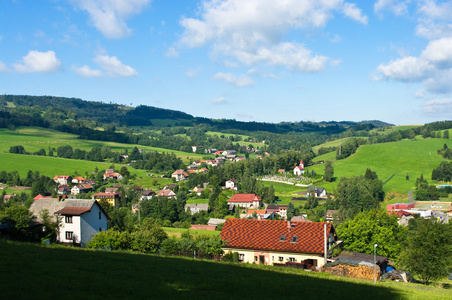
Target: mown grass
[33, 271]
[35, 138]
[391, 161]
[171, 231]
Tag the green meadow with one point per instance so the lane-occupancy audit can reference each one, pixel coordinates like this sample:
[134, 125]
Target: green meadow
[35, 138]
[391, 161]
[52, 272]
[178, 232]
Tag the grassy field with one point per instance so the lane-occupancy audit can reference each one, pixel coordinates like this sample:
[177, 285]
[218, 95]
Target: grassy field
[391, 161]
[35, 138]
[51, 166]
[33, 271]
[178, 232]
[334, 143]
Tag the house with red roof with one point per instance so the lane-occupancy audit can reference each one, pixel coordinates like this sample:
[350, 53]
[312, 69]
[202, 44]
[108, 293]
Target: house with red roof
[299, 170]
[245, 200]
[111, 198]
[62, 179]
[167, 193]
[271, 242]
[179, 175]
[80, 218]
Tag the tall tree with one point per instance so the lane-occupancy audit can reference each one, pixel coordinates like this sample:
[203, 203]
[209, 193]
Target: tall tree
[428, 251]
[329, 172]
[368, 228]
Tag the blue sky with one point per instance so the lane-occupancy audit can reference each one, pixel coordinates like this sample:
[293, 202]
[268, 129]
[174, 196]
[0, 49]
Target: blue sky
[254, 60]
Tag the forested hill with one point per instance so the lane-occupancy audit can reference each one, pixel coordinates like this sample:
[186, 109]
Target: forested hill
[62, 109]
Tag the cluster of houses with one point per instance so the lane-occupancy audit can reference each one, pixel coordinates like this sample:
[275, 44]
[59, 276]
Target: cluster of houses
[441, 211]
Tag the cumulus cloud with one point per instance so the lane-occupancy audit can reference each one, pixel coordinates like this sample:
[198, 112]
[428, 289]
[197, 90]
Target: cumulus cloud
[3, 67]
[86, 71]
[354, 13]
[111, 66]
[252, 31]
[434, 19]
[114, 67]
[109, 16]
[220, 100]
[171, 52]
[397, 7]
[438, 106]
[406, 69]
[232, 79]
[433, 67]
[35, 61]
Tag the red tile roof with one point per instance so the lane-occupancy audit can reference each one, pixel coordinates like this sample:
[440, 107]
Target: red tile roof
[244, 198]
[266, 234]
[73, 211]
[203, 227]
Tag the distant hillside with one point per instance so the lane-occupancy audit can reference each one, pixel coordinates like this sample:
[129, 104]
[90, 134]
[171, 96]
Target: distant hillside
[110, 113]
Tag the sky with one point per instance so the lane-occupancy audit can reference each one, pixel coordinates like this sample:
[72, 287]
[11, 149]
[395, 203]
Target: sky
[254, 60]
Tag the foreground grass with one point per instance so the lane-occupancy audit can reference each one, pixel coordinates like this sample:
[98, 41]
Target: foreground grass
[33, 271]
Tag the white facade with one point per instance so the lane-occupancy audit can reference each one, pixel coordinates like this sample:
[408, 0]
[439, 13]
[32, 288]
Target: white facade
[82, 227]
[230, 185]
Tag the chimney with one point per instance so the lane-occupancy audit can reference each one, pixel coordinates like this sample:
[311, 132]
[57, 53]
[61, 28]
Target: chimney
[289, 225]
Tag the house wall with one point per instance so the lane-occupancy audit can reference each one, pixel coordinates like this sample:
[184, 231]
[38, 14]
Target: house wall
[90, 224]
[74, 227]
[272, 257]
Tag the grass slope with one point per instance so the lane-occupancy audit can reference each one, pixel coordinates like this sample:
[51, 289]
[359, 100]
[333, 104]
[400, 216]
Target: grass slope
[32, 271]
[35, 138]
[391, 161]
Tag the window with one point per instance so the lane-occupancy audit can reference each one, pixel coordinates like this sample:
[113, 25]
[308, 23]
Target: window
[280, 258]
[273, 258]
[255, 258]
[69, 235]
[292, 259]
[100, 215]
[68, 219]
[282, 238]
[241, 257]
[294, 239]
[100, 229]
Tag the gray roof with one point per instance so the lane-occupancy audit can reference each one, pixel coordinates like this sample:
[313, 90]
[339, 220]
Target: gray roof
[200, 206]
[214, 221]
[53, 205]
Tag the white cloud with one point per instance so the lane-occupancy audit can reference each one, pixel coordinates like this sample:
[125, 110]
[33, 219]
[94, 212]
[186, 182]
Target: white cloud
[171, 52]
[3, 67]
[397, 7]
[434, 19]
[36, 61]
[86, 71]
[354, 13]
[191, 73]
[114, 67]
[252, 31]
[433, 67]
[232, 79]
[438, 106]
[220, 100]
[406, 69]
[109, 16]
[439, 53]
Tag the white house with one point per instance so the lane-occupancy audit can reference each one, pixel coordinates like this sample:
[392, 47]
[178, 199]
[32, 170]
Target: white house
[231, 184]
[80, 218]
[245, 201]
[179, 175]
[318, 192]
[299, 170]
